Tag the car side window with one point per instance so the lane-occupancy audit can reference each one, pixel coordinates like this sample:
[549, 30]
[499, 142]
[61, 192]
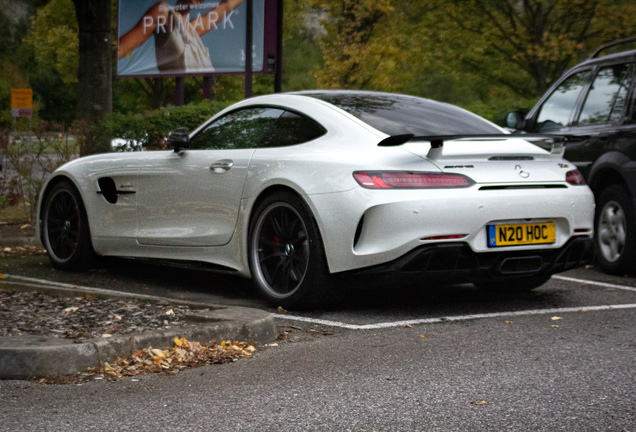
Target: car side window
[605, 100]
[240, 129]
[291, 129]
[557, 109]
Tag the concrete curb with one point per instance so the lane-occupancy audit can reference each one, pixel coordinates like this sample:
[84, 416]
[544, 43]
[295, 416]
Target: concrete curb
[23, 357]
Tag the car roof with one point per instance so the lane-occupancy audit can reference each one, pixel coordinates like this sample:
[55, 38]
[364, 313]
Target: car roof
[595, 57]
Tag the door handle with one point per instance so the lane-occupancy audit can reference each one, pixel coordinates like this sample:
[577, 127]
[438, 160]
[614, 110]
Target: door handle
[222, 166]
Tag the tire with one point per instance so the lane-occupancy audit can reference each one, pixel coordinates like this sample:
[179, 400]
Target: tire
[514, 285]
[66, 235]
[286, 254]
[615, 232]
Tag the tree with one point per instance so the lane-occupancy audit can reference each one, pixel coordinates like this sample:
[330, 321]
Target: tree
[526, 45]
[53, 36]
[357, 49]
[95, 69]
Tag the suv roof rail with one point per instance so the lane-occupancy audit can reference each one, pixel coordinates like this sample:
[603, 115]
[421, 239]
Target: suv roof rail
[611, 44]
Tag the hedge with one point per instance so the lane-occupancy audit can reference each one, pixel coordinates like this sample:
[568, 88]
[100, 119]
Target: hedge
[148, 130]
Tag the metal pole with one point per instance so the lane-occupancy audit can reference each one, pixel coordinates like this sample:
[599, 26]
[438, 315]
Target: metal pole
[208, 83]
[248, 50]
[278, 74]
[179, 91]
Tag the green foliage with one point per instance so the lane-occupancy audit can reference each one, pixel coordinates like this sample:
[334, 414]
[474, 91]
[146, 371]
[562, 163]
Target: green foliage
[522, 46]
[302, 55]
[148, 130]
[486, 55]
[53, 34]
[361, 48]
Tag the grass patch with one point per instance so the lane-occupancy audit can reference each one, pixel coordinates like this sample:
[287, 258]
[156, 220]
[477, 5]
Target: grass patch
[15, 214]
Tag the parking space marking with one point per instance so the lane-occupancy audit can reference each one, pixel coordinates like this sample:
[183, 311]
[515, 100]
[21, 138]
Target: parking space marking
[455, 318]
[394, 323]
[588, 282]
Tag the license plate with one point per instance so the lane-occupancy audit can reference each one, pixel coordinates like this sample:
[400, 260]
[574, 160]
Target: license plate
[521, 234]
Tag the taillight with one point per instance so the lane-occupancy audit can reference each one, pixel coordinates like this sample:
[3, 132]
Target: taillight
[575, 178]
[410, 180]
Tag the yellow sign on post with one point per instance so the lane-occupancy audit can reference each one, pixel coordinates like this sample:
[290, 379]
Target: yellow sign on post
[22, 102]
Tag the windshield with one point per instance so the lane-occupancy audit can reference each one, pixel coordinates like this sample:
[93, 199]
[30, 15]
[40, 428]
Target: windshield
[396, 114]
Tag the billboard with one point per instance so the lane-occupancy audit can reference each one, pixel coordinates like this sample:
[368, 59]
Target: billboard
[188, 37]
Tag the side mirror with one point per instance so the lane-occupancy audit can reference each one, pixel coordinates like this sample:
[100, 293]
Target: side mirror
[179, 139]
[514, 120]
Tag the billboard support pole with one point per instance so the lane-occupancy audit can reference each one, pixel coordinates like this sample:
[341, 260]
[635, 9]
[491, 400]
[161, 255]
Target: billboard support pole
[248, 49]
[208, 82]
[278, 74]
[179, 91]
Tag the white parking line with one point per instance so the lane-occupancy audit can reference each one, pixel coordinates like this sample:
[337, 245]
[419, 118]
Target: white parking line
[405, 322]
[455, 318]
[588, 282]
[475, 316]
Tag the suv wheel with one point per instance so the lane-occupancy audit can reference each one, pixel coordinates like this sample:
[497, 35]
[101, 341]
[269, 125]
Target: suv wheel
[615, 235]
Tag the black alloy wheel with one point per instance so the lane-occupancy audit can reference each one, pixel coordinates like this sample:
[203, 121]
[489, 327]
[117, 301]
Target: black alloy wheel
[65, 228]
[285, 252]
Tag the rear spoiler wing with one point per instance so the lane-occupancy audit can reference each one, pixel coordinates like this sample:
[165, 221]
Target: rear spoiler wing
[558, 142]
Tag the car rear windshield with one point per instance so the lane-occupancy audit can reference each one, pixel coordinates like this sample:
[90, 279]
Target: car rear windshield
[400, 114]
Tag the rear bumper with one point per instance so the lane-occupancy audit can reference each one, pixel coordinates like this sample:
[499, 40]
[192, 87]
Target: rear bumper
[457, 263]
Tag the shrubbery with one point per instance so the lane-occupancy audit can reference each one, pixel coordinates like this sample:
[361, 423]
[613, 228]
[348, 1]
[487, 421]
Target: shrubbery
[149, 130]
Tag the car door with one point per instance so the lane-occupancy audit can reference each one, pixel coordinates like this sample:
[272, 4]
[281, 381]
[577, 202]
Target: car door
[602, 117]
[192, 197]
[589, 103]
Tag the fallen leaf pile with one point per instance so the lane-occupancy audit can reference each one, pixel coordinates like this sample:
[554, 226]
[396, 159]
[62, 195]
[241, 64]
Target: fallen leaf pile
[18, 251]
[184, 354]
[169, 361]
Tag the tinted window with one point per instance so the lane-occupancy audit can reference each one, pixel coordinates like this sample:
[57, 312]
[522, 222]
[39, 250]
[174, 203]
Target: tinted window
[606, 99]
[557, 109]
[243, 128]
[292, 128]
[399, 114]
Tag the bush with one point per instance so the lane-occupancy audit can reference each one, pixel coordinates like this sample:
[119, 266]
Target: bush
[29, 158]
[149, 130]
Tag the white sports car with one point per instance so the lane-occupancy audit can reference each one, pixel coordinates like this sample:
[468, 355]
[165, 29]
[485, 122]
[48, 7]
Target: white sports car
[295, 189]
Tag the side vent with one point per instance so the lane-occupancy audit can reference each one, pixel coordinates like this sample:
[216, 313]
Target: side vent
[108, 189]
[358, 233]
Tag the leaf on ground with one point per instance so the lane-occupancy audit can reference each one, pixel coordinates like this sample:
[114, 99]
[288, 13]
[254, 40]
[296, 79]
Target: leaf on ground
[181, 342]
[68, 310]
[482, 402]
[556, 318]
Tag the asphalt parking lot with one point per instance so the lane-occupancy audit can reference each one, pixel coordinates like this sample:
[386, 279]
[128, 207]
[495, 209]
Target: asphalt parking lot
[381, 306]
[387, 358]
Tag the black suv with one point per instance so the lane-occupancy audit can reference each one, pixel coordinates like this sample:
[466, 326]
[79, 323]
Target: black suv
[595, 100]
